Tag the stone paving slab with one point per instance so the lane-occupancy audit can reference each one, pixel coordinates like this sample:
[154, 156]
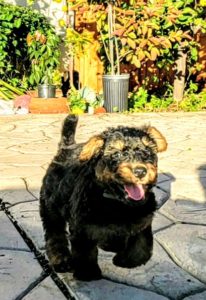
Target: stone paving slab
[108, 290]
[160, 275]
[186, 245]
[18, 270]
[18, 266]
[28, 218]
[45, 290]
[185, 210]
[199, 296]
[10, 238]
[176, 270]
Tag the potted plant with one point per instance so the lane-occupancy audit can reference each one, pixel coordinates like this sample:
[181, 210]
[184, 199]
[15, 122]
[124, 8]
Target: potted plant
[115, 84]
[45, 57]
[47, 89]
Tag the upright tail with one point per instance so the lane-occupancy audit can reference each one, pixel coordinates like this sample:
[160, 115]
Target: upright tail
[68, 131]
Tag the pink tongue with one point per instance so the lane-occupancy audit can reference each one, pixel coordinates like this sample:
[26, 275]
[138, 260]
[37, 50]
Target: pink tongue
[135, 192]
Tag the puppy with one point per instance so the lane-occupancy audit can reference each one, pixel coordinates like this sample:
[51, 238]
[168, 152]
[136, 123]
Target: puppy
[102, 190]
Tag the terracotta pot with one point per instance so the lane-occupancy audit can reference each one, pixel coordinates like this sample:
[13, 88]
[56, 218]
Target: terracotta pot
[48, 105]
[100, 110]
[32, 93]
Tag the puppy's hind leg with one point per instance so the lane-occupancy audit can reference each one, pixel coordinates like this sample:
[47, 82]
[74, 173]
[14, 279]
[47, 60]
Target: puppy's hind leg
[57, 247]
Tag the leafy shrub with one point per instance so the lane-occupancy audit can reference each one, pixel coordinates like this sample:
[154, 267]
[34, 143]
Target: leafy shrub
[19, 64]
[194, 102]
[143, 101]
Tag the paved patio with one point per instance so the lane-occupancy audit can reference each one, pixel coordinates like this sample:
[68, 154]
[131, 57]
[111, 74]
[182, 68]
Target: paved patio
[177, 269]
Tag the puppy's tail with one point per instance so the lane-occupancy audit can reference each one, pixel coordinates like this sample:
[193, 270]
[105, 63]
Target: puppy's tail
[68, 131]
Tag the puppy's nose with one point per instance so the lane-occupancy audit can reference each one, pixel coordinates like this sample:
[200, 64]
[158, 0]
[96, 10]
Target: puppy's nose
[140, 172]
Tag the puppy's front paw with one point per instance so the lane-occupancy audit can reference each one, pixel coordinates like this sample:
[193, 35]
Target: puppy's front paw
[126, 262]
[61, 263]
[88, 274]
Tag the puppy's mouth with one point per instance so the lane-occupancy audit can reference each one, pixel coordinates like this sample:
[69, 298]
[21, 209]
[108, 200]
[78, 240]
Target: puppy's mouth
[135, 192]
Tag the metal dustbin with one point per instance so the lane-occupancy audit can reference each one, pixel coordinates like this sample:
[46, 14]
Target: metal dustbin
[115, 90]
[46, 91]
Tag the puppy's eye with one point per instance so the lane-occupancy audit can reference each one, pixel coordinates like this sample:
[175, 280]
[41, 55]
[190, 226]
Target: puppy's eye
[116, 155]
[125, 153]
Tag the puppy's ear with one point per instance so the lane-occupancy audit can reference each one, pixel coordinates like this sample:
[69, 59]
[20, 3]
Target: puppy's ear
[91, 148]
[158, 138]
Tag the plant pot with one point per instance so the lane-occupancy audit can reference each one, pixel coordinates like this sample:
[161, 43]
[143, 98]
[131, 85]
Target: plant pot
[46, 91]
[48, 106]
[115, 90]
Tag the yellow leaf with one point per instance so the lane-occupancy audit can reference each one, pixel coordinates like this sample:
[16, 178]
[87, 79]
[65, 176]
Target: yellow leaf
[29, 39]
[144, 30]
[154, 53]
[149, 32]
[129, 57]
[136, 61]
[131, 43]
[132, 35]
[141, 55]
[203, 2]
[143, 43]
[147, 54]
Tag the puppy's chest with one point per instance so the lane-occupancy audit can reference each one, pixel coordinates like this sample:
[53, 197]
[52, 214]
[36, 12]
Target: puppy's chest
[113, 236]
[118, 218]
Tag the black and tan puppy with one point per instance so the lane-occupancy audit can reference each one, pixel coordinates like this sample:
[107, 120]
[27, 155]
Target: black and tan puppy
[102, 189]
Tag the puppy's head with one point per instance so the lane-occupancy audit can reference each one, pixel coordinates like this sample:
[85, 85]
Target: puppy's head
[126, 157]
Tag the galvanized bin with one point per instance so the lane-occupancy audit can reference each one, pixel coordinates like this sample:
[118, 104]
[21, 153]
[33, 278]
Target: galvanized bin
[115, 90]
[46, 91]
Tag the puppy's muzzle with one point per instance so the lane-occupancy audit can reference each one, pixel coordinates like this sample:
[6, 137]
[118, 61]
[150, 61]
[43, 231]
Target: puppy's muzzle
[140, 172]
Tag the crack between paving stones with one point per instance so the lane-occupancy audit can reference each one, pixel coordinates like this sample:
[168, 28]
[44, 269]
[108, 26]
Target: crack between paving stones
[47, 270]
[15, 249]
[27, 188]
[8, 205]
[176, 222]
[31, 287]
[169, 216]
[163, 228]
[191, 293]
[177, 262]
[194, 224]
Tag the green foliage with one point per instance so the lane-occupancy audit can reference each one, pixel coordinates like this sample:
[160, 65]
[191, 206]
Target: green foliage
[193, 102]
[76, 102]
[43, 51]
[152, 31]
[16, 62]
[138, 100]
[8, 91]
[80, 100]
[159, 103]
[143, 101]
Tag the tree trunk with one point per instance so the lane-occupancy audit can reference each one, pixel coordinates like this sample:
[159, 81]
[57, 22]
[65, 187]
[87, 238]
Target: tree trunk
[179, 81]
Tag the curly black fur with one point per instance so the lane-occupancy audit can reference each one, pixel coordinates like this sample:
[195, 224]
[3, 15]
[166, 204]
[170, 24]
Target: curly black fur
[102, 189]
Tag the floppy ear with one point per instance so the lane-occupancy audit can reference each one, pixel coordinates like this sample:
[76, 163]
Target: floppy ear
[158, 138]
[91, 148]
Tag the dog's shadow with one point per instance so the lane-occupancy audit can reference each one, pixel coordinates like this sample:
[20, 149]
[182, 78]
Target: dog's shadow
[163, 188]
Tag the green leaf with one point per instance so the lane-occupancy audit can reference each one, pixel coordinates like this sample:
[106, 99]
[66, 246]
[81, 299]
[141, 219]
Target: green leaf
[17, 23]
[14, 43]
